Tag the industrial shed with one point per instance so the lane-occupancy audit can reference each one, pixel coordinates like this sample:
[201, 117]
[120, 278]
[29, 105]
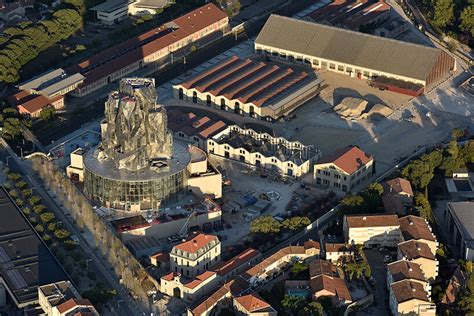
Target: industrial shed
[356, 54]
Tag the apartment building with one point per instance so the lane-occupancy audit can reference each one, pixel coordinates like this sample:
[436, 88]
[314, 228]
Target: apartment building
[195, 255]
[344, 169]
[372, 230]
[417, 228]
[62, 299]
[410, 298]
[406, 270]
[460, 228]
[420, 253]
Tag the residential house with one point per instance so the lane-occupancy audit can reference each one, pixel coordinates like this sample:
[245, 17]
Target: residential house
[344, 169]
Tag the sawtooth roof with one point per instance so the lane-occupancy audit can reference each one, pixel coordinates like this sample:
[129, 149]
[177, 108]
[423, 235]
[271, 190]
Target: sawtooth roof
[349, 47]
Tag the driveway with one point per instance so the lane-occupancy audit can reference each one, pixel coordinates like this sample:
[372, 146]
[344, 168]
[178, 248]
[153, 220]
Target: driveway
[381, 307]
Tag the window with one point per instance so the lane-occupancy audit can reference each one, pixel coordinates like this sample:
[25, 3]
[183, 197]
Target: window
[340, 68]
[327, 173]
[332, 66]
[337, 176]
[326, 182]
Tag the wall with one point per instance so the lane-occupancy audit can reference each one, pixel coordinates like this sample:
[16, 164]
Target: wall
[329, 175]
[171, 228]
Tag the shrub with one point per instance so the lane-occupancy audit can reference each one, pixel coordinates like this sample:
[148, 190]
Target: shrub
[39, 228]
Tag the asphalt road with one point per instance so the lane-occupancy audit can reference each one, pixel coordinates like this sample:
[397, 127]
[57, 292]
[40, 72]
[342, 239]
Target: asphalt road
[96, 265]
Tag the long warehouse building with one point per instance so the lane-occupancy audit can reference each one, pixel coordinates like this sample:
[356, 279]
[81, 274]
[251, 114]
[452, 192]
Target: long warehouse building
[356, 54]
[198, 27]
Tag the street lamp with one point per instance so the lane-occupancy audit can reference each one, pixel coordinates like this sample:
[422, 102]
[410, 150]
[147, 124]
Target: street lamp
[8, 158]
[118, 304]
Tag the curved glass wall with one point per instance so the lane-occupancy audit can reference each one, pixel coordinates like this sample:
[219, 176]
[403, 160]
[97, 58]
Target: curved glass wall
[137, 195]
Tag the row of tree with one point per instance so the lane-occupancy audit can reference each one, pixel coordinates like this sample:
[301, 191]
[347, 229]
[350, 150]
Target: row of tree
[451, 15]
[368, 200]
[133, 276]
[269, 225]
[22, 43]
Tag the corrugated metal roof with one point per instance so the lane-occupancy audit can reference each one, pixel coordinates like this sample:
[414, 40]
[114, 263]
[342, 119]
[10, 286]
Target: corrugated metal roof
[340, 45]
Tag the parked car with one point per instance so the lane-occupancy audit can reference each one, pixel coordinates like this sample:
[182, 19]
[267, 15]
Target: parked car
[75, 239]
[387, 259]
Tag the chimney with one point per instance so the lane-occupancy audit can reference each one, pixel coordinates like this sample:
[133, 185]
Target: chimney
[364, 218]
[410, 269]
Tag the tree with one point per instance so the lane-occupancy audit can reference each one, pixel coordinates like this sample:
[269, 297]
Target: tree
[352, 204]
[47, 217]
[465, 300]
[293, 304]
[296, 223]
[419, 173]
[299, 271]
[265, 225]
[457, 133]
[467, 20]
[52, 227]
[14, 176]
[39, 228]
[451, 160]
[47, 113]
[34, 200]
[99, 295]
[61, 233]
[313, 309]
[443, 13]
[11, 128]
[424, 207]
[38, 209]
[69, 245]
[20, 185]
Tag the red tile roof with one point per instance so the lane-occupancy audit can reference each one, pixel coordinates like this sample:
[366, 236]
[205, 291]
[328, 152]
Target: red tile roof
[247, 81]
[407, 290]
[115, 58]
[200, 279]
[402, 270]
[414, 227]
[333, 285]
[415, 249]
[161, 256]
[185, 122]
[252, 303]
[170, 276]
[312, 244]
[397, 185]
[330, 247]
[72, 303]
[197, 242]
[349, 159]
[31, 103]
[242, 258]
[360, 221]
